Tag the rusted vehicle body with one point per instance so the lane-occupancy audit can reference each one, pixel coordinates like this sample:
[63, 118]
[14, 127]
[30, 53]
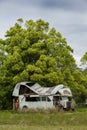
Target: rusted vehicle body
[32, 95]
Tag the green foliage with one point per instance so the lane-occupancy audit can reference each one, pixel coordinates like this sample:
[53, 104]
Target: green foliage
[32, 51]
[84, 62]
[84, 59]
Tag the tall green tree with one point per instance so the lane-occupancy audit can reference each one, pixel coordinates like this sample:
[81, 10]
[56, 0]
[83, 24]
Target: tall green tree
[36, 53]
[84, 62]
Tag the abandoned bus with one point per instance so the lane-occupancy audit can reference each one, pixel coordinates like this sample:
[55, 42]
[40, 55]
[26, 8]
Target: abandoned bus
[32, 95]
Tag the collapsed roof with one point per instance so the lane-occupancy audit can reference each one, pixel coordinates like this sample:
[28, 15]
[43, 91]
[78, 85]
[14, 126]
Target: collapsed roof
[39, 90]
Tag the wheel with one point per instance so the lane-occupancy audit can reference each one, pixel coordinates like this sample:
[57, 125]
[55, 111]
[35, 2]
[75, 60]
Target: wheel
[25, 108]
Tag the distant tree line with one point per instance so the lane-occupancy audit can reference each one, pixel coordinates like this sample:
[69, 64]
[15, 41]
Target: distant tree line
[32, 51]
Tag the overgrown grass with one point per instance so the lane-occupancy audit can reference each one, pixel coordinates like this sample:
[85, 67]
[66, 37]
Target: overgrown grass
[22, 127]
[43, 120]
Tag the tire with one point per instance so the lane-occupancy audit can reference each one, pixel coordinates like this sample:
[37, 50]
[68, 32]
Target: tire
[25, 108]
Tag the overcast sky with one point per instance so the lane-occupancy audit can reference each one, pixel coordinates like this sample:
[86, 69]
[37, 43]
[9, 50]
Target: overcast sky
[68, 17]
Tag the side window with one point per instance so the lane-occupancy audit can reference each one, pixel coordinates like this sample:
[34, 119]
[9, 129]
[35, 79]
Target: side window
[43, 98]
[46, 99]
[32, 99]
[56, 98]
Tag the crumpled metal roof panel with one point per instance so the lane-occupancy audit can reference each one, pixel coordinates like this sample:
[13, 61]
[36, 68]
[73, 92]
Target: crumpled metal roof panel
[38, 89]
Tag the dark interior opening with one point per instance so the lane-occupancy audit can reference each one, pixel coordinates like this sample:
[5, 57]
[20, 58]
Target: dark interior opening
[32, 99]
[25, 90]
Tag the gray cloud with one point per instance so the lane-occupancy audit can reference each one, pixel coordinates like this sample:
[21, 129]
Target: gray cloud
[70, 5]
[75, 5]
[68, 17]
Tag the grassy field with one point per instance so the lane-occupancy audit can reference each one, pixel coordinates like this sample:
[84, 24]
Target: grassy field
[17, 127]
[11, 120]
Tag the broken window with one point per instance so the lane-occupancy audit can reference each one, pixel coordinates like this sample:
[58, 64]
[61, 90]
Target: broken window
[25, 90]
